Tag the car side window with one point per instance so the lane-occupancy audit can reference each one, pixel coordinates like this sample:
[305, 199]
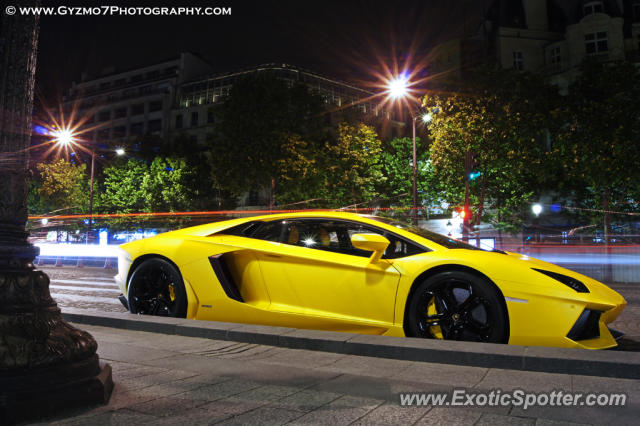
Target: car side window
[269, 231]
[242, 230]
[335, 236]
[316, 234]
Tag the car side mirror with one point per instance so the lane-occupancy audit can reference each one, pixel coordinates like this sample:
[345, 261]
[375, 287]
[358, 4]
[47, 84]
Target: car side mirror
[370, 242]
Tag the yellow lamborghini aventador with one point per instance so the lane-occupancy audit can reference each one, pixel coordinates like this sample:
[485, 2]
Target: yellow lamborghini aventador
[346, 272]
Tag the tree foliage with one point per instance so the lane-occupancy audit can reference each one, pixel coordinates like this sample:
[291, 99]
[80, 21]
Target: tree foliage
[64, 185]
[396, 159]
[167, 184]
[501, 118]
[353, 166]
[260, 120]
[598, 142]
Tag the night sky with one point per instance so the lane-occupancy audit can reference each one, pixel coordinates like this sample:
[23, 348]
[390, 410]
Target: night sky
[342, 39]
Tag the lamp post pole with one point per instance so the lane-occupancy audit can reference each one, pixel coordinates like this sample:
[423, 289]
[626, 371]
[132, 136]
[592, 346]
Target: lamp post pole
[415, 174]
[93, 160]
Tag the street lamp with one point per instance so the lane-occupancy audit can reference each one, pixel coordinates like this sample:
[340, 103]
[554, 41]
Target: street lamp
[399, 89]
[536, 209]
[120, 151]
[66, 137]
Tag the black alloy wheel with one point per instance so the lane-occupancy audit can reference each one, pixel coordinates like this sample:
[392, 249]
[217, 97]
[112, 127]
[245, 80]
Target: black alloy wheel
[457, 306]
[156, 288]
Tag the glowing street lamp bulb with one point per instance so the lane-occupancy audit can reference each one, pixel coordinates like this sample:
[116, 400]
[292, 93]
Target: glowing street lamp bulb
[537, 209]
[398, 87]
[120, 151]
[64, 137]
[427, 117]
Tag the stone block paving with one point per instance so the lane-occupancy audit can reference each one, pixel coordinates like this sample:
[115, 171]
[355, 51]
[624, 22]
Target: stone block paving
[175, 380]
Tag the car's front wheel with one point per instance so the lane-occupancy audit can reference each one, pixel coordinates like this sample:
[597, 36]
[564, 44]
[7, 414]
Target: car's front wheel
[457, 305]
[156, 288]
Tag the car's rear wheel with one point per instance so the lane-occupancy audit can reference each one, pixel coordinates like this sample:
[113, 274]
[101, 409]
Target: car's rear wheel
[457, 305]
[156, 288]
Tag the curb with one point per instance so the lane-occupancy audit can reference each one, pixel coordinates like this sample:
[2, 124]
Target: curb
[526, 358]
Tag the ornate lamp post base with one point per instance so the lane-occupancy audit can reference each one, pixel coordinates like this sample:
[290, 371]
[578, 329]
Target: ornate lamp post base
[48, 391]
[46, 365]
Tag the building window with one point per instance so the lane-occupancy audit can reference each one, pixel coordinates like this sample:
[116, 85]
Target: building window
[120, 82]
[518, 60]
[596, 43]
[636, 10]
[210, 118]
[155, 106]
[137, 109]
[555, 57]
[104, 85]
[179, 121]
[104, 116]
[593, 7]
[119, 132]
[136, 129]
[137, 77]
[103, 134]
[154, 126]
[194, 119]
[120, 112]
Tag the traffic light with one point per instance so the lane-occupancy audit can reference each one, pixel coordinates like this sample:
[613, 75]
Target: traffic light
[473, 166]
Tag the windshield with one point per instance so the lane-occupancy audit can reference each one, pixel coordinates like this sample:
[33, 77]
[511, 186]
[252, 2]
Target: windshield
[443, 240]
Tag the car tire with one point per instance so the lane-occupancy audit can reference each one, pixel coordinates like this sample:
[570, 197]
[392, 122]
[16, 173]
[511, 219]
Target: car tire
[457, 305]
[156, 288]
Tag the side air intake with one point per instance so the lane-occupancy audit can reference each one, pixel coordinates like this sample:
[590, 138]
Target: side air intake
[223, 273]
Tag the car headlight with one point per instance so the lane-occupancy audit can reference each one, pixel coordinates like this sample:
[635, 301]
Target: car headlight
[566, 280]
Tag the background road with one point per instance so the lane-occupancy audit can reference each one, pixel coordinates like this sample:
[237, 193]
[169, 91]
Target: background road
[95, 289]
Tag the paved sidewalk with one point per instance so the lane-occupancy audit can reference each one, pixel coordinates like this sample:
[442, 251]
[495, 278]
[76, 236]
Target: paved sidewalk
[175, 380]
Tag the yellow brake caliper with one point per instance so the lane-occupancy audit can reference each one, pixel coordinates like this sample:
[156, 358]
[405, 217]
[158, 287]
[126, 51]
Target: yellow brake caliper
[172, 292]
[435, 330]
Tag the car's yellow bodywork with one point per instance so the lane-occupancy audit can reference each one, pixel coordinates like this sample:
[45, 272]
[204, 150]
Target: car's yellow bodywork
[294, 286]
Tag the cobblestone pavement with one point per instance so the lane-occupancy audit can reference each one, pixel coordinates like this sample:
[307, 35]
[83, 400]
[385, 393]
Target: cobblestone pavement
[175, 380]
[95, 289]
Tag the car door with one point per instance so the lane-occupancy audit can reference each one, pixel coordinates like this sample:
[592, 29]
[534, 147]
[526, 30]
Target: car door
[316, 271]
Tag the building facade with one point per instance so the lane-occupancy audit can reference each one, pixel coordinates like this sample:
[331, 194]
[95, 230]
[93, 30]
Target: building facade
[552, 37]
[177, 99]
[195, 113]
[126, 105]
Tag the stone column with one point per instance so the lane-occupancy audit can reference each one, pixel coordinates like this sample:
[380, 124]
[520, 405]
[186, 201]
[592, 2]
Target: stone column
[46, 365]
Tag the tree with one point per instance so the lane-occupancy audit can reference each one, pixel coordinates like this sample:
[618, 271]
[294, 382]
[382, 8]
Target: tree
[64, 185]
[169, 185]
[598, 142]
[353, 165]
[259, 120]
[123, 190]
[396, 158]
[501, 118]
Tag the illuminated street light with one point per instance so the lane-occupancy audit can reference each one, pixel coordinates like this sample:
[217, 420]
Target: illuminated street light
[536, 209]
[44, 221]
[120, 151]
[398, 87]
[66, 137]
[63, 137]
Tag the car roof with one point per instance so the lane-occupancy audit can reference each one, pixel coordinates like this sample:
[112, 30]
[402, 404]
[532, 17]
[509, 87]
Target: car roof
[214, 227]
